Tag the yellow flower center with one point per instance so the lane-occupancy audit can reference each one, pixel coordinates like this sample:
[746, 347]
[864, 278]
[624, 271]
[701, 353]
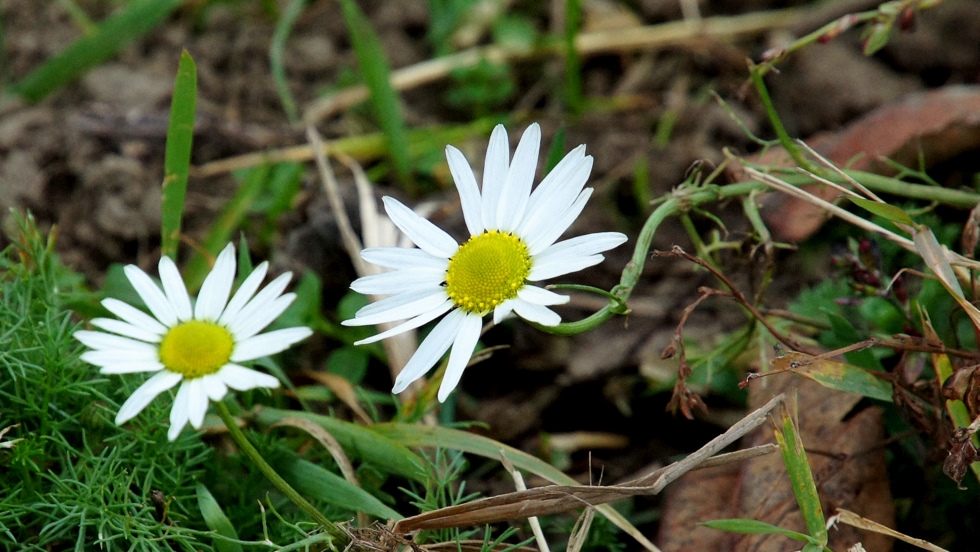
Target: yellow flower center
[487, 270]
[196, 348]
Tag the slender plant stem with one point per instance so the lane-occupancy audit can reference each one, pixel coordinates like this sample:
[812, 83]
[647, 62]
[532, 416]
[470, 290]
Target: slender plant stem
[243, 443]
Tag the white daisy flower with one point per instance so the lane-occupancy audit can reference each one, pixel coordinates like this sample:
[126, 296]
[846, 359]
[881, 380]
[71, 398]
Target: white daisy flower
[199, 347]
[512, 244]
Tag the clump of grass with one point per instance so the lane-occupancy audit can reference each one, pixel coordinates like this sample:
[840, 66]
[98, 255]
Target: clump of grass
[72, 478]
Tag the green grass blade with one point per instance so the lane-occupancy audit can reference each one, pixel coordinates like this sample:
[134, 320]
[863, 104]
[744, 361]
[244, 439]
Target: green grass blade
[754, 527]
[177, 160]
[359, 442]
[313, 481]
[800, 476]
[217, 521]
[276, 51]
[375, 72]
[412, 435]
[110, 36]
[573, 75]
[229, 220]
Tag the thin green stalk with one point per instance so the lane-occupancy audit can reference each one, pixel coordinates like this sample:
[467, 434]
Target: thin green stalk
[680, 202]
[276, 53]
[573, 74]
[777, 124]
[245, 446]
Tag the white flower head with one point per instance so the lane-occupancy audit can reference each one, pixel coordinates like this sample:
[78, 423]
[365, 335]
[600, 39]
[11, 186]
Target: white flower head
[199, 347]
[513, 231]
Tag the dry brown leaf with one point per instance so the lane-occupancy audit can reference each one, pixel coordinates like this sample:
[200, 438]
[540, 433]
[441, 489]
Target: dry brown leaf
[939, 124]
[849, 470]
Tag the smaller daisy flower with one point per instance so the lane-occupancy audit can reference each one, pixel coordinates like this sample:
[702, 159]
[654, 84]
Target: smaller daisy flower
[199, 347]
[513, 231]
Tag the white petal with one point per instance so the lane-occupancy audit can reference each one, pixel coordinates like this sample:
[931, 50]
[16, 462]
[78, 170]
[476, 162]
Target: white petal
[126, 329]
[403, 257]
[494, 172]
[469, 193]
[154, 298]
[244, 293]
[134, 316]
[558, 266]
[258, 305]
[423, 233]
[174, 288]
[268, 343]
[556, 226]
[120, 356]
[217, 286]
[502, 311]
[131, 368]
[214, 386]
[520, 176]
[536, 313]
[108, 342]
[247, 326]
[431, 349]
[557, 192]
[400, 307]
[145, 394]
[581, 246]
[198, 402]
[398, 281]
[459, 357]
[242, 379]
[410, 324]
[180, 411]
[540, 296]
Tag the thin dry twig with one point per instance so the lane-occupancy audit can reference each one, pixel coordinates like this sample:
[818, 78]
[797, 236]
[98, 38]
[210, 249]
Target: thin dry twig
[520, 486]
[556, 499]
[674, 33]
[850, 518]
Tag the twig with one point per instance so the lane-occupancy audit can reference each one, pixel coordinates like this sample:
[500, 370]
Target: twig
[559, 499]
[621, 40]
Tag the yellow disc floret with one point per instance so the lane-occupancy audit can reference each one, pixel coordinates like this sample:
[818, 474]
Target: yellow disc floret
[196, 348]
[487, 270]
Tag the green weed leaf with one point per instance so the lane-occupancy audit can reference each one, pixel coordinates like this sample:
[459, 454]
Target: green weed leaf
[217, 521]
[883, 210]
[110, 36]
[755, 527]
[180, 135]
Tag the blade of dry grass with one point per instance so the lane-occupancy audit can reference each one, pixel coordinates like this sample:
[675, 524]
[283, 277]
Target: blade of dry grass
[557, 499]
[621, 40]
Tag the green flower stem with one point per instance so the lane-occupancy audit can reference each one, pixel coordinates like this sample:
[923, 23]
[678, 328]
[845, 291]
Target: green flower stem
[680, 202]
[243, 443]
[791, 147]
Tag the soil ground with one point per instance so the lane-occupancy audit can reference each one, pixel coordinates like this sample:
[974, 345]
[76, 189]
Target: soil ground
[89, 160]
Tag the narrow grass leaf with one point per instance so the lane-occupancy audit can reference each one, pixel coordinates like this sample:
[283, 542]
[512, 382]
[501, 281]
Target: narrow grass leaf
[276, 53]
[801, 478]
[412, 435]
[217, 521]
[849, 378]
[943, 368]
[556, 152]
[221, 231]
[754, 527]
[313, 481]
[111, 35]
[375, 72]
[883, 210]
[360, 442]
[177, 160]
[573, 75]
